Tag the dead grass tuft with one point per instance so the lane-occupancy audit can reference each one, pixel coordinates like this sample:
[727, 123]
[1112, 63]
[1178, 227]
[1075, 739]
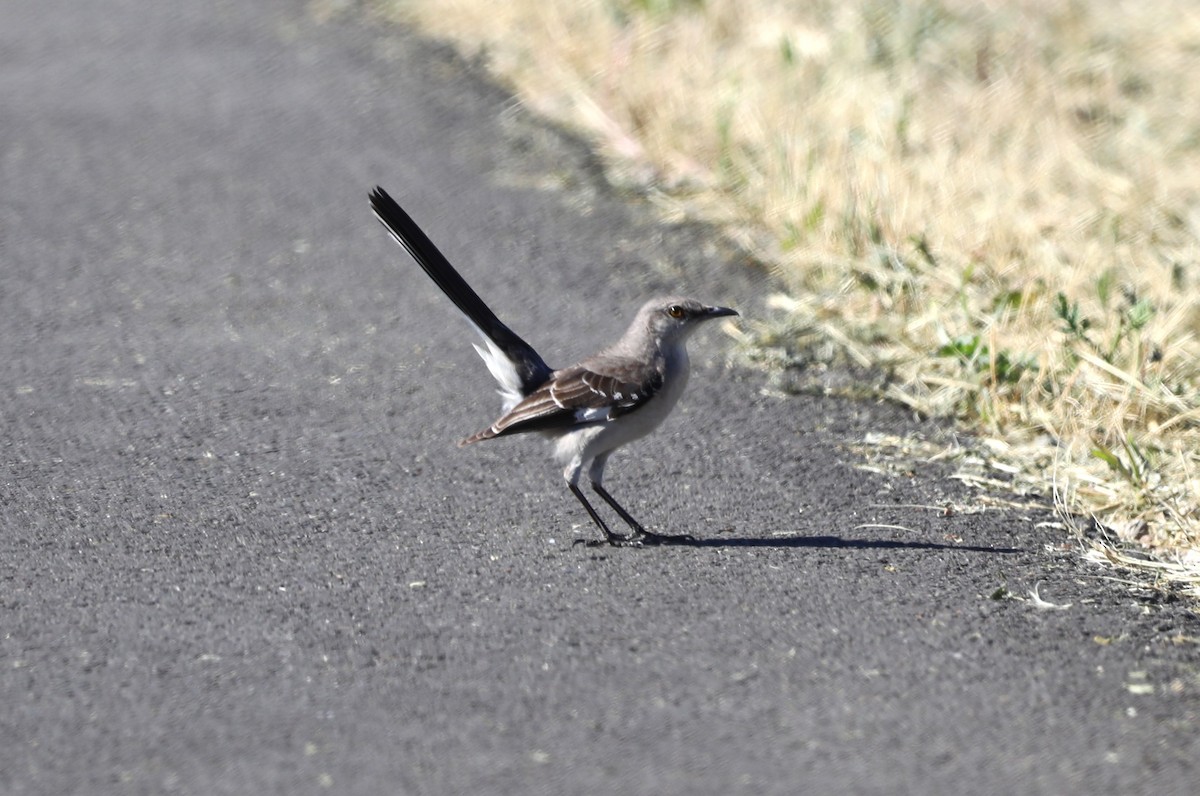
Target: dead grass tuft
[999, 203]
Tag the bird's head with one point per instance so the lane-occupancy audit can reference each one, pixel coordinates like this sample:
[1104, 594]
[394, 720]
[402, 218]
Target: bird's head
[673, 319]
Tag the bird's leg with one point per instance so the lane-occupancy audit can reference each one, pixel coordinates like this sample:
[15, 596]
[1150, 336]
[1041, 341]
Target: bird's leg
[639, 533]
[615, 539]
[638, 530]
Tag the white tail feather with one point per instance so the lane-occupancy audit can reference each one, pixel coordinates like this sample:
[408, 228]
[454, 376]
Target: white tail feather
[502, 371]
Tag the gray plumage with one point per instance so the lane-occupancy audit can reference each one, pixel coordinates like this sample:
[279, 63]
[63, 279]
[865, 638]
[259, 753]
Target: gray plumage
[589, 409]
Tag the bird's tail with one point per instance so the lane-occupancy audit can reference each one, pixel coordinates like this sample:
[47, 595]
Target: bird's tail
[513, 362]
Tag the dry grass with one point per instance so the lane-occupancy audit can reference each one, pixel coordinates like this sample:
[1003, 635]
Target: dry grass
[997, 202]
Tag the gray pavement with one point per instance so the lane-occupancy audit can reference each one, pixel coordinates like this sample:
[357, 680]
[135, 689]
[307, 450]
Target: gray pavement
[240, 553]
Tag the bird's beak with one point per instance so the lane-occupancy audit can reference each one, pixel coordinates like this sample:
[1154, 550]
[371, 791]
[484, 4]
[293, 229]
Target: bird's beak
[718, 312]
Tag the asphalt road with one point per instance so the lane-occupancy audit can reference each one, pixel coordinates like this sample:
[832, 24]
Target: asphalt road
[240, 552]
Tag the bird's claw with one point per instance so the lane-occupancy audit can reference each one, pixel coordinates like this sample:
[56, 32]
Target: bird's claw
[648, 538]
[612, 540]
[641, 538]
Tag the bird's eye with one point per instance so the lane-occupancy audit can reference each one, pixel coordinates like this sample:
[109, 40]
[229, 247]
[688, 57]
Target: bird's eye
[675, 311]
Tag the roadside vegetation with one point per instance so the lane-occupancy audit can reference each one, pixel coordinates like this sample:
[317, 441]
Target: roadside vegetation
[996, 203]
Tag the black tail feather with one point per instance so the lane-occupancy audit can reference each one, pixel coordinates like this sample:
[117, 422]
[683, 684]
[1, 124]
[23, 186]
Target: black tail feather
[531, 369]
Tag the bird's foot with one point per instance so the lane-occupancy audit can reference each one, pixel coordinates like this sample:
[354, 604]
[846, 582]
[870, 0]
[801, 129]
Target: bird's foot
[640, 538]
[612, 540]
[648, 538]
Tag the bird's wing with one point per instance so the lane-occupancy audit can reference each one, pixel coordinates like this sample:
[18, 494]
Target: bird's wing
[578, 396]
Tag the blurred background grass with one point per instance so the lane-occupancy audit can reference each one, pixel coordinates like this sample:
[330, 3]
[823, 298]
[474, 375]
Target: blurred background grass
[997, 204]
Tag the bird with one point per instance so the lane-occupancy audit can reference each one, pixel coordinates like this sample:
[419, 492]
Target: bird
[587, 410]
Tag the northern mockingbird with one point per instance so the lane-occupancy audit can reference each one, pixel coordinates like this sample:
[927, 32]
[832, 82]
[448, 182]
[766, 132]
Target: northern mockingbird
[587, 410]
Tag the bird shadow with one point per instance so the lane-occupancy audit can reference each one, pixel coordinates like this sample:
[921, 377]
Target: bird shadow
[841, 543]
[824, 542]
